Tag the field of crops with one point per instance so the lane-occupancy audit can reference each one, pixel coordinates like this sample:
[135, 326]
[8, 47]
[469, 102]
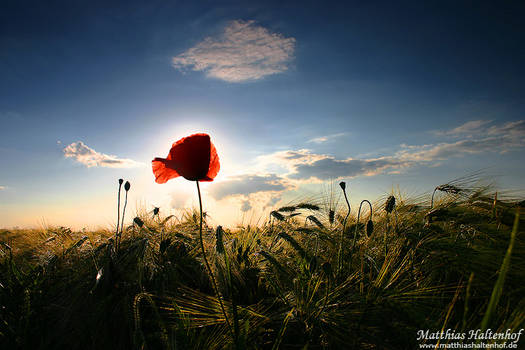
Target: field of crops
[309, 277]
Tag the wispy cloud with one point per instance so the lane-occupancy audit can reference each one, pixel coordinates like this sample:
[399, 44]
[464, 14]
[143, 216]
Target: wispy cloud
[243, 52]
[2, 188]
[322, 139]
[246, 206]
[244, 185]
[91, 158]
[289, 169]
[478, 138]
[305, 165]
[482, 138]
[444, 150]
[330, 168]
[515, 129]
[470, 127]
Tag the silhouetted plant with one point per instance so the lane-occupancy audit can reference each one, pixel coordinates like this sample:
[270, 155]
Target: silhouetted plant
[138, 221]
[315, 221]
[447, 188]
[120, 182]
[358, 217]
[287, 209]
[369, 227]
[275, 214]
[390, 205]
[342, 184]
[219, 245]
[197, 160]
[307, 206]
[331, 216]
[127, 186]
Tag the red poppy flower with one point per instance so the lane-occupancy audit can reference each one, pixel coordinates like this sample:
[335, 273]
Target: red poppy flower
[193, 157]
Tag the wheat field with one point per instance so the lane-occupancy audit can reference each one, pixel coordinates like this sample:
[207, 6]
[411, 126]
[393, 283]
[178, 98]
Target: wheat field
[312, 275]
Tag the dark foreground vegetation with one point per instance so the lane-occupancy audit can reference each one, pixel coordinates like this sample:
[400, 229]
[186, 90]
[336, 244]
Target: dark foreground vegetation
[290, 283]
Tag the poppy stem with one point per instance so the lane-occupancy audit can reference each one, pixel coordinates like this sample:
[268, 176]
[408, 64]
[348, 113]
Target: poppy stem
[340, 253]
[118, 211]
[216, 289]
[122, 224]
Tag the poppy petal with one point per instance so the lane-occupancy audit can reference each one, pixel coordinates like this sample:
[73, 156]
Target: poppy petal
[163, 170]
[194, 157]
[191, 156]
[215, 165]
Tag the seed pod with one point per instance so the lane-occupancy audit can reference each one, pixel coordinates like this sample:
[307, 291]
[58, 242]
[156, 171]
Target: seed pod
[390, 204]
[156, 211]
[138, 221]
[277, 215]
[369, 228]
[449, 188]
[343, 185]
[307, 206]
[219, 244]
[331, 216]
[127, 186]
[287, 209]
[315, 221]
[120, 181]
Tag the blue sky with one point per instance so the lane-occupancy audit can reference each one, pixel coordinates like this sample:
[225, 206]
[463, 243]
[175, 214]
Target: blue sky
[293, 94]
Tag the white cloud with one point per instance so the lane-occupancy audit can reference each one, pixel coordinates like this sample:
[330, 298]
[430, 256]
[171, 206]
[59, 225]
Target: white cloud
[479, 139]
[286, 160]
[331, 168]
[289, 169]
[243, 52]
[179, 200]
[2, 188]
[515, 129]
[444, 150]
[91, 158]
[473, 126]
[304, 165]
[244, 185]
[246, 206]
[272, 201]
[322, 139]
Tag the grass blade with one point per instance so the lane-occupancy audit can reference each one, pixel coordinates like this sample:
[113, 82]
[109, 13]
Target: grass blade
[498, 287]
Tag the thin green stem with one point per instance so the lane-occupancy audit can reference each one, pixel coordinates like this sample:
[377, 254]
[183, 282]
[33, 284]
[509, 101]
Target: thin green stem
[215, 288]
[340, 254]
[232, 297]
[118, 211]
[387, 225]
[503, 271]
[122, 224]
[432, 200]
[358, 217]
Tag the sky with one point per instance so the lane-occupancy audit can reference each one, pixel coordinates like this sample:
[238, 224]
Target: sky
[296, 97]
